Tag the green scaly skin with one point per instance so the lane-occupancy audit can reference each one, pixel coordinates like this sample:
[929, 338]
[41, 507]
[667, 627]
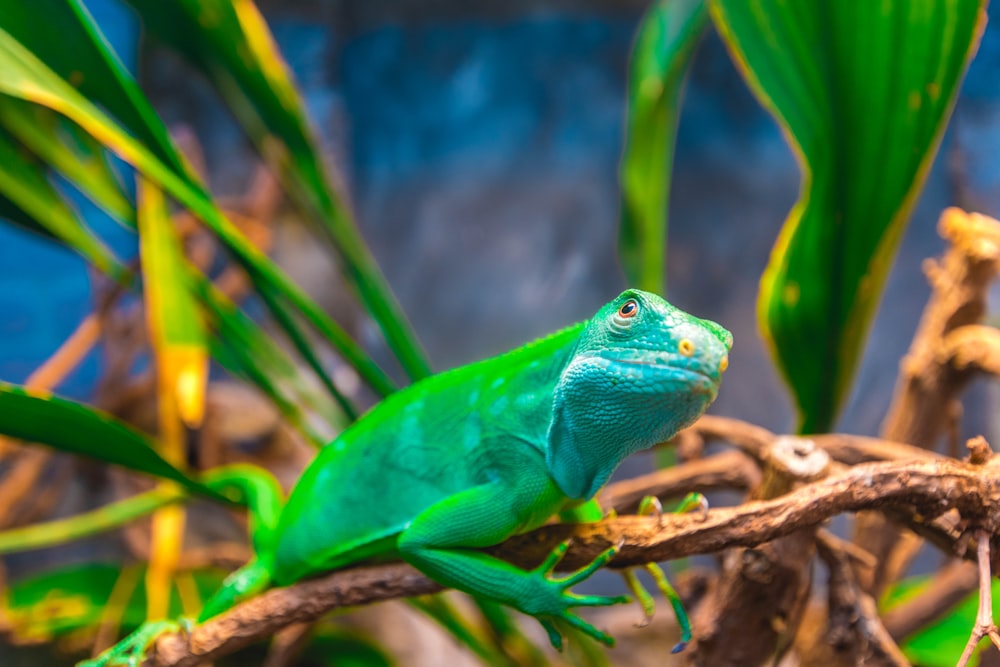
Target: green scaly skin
[467, 458]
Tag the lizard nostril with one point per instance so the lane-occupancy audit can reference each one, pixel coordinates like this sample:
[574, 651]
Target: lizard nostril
[724, 364]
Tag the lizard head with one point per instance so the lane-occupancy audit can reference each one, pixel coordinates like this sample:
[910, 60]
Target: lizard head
[642, 370]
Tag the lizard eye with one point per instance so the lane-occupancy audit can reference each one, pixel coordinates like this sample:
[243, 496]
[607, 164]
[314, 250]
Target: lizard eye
[629, 309]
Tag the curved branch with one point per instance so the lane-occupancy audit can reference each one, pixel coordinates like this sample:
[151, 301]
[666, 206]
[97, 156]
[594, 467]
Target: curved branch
[842, 447]
[930, 486]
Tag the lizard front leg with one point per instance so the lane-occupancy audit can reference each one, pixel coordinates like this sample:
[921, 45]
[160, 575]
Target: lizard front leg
[650, 506]
[442, 543]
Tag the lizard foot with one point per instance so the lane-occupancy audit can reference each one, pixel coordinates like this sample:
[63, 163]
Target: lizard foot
[558, 600]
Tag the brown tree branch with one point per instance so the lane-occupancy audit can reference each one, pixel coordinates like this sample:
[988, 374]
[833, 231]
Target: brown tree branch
[268, 613]
[845, 448]
[959, 282]
[929, 384]
[932, 487]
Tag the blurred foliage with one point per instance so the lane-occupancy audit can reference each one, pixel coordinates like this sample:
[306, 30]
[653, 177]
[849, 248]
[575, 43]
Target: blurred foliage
[941, 643]
[77, 599]
[230, 44]
[68, 606]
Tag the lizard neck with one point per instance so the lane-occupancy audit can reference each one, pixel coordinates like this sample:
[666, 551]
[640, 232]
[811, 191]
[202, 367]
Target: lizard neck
[601, 416]
[584, 450]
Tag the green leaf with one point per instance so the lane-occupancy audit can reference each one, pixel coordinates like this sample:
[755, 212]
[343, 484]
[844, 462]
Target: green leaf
[862, 90]
[247, 351]
[72, 427]
[248, 485]
[166, 274]
[306, 350]
[14, 214]
[33, 203]
[24, 176]
[663, 47]
[231, 44]
[83, 58]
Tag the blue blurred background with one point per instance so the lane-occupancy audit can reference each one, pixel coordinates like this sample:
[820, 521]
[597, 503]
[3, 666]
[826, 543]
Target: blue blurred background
[479, 149]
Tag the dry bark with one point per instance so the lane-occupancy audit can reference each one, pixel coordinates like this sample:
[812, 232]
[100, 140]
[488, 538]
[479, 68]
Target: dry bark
[959, 283]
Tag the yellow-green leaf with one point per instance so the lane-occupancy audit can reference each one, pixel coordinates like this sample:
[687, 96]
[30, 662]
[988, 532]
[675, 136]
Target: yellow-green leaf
[174, 320]
[862, 90]
[28, 78]
[69, 151]
[60, 531]
[82, 57]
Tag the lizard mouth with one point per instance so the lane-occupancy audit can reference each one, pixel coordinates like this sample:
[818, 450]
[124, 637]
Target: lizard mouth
[696, 378]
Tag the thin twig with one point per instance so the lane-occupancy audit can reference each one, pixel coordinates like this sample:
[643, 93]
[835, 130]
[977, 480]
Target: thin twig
[984, 617]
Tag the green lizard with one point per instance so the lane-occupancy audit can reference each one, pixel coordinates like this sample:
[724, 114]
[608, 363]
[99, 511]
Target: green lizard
[467, 458]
